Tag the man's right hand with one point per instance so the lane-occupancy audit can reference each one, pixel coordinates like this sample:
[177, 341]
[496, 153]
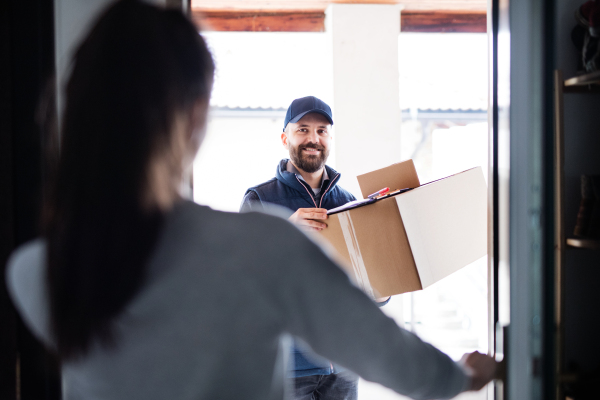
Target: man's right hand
[305, 218]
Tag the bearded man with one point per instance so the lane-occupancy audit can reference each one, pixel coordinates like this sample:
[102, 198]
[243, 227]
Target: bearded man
[308, 187]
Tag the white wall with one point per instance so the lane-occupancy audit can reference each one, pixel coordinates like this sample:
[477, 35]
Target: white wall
[366, 104]
[237, 153]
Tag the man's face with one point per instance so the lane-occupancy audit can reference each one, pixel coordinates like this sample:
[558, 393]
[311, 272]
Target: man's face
[308, 142]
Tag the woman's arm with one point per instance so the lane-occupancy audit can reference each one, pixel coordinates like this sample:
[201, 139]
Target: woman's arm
[338, 321]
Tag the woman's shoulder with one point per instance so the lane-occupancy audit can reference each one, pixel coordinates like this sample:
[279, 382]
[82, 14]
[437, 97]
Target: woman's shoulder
[24, 266]
[25, 281]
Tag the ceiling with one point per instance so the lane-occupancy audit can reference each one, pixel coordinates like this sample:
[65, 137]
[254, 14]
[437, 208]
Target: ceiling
[477, 6]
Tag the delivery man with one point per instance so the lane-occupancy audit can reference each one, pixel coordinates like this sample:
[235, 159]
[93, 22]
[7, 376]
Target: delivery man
[308, 187]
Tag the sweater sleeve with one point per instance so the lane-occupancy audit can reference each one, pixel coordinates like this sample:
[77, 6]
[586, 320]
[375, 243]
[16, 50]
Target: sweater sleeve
[321, 306]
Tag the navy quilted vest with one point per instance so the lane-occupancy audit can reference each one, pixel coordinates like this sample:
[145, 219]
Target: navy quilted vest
[289, 191]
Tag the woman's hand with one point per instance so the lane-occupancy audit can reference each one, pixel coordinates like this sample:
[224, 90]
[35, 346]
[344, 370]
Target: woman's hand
[480, 367]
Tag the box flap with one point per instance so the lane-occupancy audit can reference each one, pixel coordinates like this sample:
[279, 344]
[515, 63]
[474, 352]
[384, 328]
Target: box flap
[446, 223]
[385, 249]
[396, 176]
[373, 244]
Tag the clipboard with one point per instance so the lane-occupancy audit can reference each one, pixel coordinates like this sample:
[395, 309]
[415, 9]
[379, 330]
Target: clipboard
[361, 203]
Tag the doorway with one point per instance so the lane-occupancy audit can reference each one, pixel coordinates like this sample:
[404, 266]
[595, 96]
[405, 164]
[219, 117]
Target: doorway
[443, 128]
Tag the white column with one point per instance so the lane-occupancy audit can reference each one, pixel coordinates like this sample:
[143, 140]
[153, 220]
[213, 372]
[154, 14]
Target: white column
[366, 103]
[366, 106]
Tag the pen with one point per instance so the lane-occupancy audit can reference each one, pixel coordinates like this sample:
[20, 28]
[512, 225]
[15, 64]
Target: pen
[379, 193]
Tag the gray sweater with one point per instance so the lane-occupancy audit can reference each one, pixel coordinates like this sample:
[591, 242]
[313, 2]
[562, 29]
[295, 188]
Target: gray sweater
[223, 293]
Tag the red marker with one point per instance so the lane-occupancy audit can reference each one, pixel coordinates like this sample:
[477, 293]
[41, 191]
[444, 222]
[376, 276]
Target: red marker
[379, 193]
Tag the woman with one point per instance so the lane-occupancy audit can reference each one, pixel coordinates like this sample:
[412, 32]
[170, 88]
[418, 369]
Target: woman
[144, 295]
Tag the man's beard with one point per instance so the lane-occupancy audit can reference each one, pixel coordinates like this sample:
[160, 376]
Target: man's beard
[309, 163]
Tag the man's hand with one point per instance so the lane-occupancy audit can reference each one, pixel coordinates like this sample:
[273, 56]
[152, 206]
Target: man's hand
[305, 218]
[480, 367]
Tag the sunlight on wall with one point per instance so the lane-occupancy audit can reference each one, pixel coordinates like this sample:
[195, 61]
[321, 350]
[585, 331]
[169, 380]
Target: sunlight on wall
[270, 69]
[237, 153]
[459, 148]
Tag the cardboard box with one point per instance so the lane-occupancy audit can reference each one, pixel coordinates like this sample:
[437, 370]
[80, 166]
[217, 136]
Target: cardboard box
[412, 240]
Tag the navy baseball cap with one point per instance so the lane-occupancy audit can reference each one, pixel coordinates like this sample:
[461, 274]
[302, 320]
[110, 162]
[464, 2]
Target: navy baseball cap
[300, 107]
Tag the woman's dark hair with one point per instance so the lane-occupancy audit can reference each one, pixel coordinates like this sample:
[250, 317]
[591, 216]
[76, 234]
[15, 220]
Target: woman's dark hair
[137, 69]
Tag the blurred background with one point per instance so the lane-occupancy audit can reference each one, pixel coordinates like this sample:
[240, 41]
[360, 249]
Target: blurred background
[443, 128]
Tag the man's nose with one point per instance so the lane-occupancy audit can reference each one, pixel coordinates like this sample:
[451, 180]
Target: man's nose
[314, 137]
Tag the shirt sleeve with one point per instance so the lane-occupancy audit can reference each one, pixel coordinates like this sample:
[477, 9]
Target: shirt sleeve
[320, 305]
[25, 280]
[251, 202]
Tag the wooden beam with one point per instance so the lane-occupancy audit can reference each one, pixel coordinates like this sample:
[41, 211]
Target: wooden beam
[314, 21]
[429, 21]
[257, 21]
[270, 5]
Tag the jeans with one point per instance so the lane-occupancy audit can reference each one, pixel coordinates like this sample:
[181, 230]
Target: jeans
[342, 386]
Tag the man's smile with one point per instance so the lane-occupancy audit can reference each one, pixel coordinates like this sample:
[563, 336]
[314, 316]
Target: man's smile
[311, 150]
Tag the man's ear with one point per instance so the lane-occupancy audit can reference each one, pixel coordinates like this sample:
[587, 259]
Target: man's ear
[284, 139]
